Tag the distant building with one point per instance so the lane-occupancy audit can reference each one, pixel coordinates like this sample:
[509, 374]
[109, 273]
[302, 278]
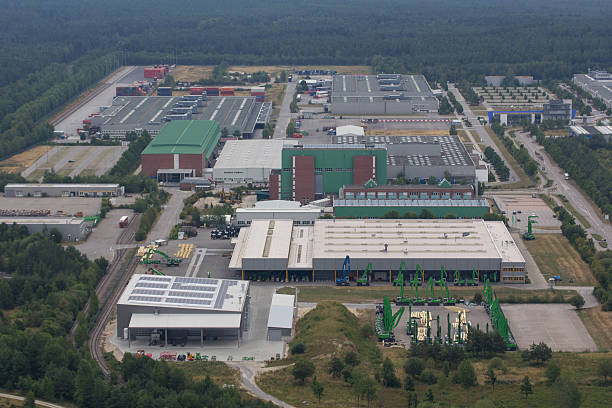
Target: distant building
[554, 109]
[72, 229]
[592, 131]
[557, 110]
[497, 80]
[182, 149]
[63, 190]
[597, 83]
[371, 191]
[279, 210]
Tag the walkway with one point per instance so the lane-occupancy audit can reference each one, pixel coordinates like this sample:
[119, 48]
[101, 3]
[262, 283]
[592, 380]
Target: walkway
[285, 113]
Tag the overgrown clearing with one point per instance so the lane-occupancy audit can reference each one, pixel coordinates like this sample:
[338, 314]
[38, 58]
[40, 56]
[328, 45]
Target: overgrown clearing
[599, 325]
[192, 73]
[218, 371]
[524, 180]
[275, 94]
[21, 161]
[330, 330]
[555, 256]
[374, 294]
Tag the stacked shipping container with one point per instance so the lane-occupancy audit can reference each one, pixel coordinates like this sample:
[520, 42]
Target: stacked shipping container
[164, 91]
[141, 88]
[259, 92]
[212, 91]
[156, 72]
[196, 90]
[227, 91]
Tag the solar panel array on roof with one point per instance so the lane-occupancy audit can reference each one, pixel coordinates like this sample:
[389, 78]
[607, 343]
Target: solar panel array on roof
[201, 281]
[190, 294]
[192, 287]
[188, 301]
[148, 292]
[151, 285]
[155, 278]
[145, 299]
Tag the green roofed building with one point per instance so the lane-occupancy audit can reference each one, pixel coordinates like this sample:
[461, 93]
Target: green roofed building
[181, 149]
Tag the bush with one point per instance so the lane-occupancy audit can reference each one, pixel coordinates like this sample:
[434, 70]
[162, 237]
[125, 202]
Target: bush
[303, 369]
[351, 358]
[414, 367]
[298, 348]
[428, 377]
[389, 377]
[335, 367]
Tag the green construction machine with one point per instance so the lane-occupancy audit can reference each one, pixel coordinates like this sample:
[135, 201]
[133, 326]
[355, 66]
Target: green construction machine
[363, 280]
[429, 289]
[386, 321]
[170, 261]
[468, 282]
[154, 271]
[498, 319]
[528, 236]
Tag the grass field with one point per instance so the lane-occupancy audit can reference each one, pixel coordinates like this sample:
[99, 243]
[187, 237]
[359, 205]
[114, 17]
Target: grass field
[599, 325]
[555, 256]
[374, 294]
[329, 330]
[524, 180]
[275, 94]
[21, 161]
[192, 73]
[218, 371]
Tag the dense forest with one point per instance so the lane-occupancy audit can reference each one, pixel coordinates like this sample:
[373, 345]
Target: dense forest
[51, 52]
[45, 287]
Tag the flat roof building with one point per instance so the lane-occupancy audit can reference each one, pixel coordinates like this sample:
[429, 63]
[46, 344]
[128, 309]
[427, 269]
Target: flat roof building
[439, 208]
[597, 83]
[280, 317]
[63, 190]
[72, 229]
[592, 131]
[237, 113]
[182, 149]
[174, 308]
[248, 161]
[318, 252]
[420, 156]
[279, 210]
[382, 94]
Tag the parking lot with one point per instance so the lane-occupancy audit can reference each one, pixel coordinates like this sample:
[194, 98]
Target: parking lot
[57, 205]
[475, 315]
[75, 160]
[100, 242]
[557, 325]
[518, 207]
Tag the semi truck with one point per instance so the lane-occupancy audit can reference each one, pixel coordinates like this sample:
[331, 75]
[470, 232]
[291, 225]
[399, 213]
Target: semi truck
[124, 221]
[566, 176]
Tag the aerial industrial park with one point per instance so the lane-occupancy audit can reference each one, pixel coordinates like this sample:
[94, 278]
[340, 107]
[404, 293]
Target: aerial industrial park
[347, 226]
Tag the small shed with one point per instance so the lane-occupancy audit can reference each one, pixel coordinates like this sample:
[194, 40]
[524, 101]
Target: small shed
[280, 319]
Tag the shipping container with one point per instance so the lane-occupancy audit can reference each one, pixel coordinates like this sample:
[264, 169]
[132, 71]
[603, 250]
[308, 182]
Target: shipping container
[164, 91]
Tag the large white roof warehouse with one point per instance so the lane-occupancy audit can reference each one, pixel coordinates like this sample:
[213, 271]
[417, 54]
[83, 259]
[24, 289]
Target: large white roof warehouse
[318, 252]
[172, 302]
[243, 161]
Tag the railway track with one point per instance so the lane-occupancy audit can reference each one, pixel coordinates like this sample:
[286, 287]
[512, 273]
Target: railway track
[108, 291]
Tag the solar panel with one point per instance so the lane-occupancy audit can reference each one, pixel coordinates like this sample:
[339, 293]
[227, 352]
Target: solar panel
[151, 285]
[188, 301]
[155, 278]
[200, 281]
[196, 288]
[148, 292]
[190, 294]
[145, 299]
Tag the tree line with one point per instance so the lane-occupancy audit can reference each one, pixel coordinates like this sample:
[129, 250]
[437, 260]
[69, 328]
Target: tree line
[503, 172]
[520, 154]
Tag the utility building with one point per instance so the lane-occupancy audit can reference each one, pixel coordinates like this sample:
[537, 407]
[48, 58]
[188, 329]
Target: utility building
[280, 318]
[174, 309]
[182, 149]
[310, 172]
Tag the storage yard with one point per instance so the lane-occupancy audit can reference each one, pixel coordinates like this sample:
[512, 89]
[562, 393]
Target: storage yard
[239, 113]
[75, 160]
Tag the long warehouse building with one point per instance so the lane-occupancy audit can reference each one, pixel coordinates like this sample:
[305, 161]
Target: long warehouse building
[278, 249]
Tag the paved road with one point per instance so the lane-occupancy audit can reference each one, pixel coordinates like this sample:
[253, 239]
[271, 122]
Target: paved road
[285, 113]
[586, 292]
[562, 186]
[170, 214]
[37, 402]
[41, 161]
[480, 130]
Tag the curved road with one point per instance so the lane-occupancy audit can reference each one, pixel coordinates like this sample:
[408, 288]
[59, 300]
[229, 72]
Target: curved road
[248, 380]
[37, 402]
